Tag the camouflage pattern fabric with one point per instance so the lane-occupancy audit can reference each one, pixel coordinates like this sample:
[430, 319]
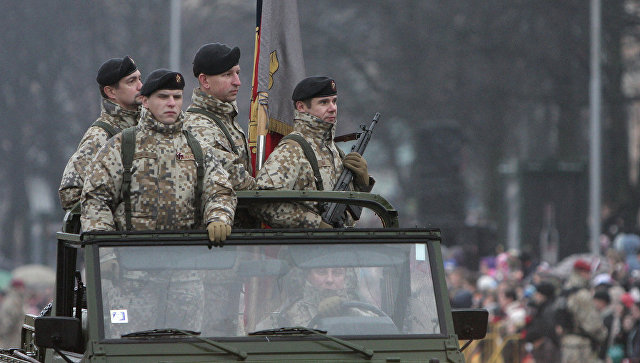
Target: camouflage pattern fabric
[577, 349]
[288, 169]
[303, 299]
[221, 305]
[162, 185]
[11, 317]
[155, 300]
[162, 198]
[94, 138]
[138, 296]
[206, 131]
[586, 319]
[303, 310]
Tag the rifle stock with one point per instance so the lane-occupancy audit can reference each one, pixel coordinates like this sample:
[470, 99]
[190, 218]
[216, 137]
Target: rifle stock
[334, 213]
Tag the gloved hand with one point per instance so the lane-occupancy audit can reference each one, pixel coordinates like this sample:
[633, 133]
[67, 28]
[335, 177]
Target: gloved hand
[356, 163]
[324, 224]
[218, 232]
[331, 306]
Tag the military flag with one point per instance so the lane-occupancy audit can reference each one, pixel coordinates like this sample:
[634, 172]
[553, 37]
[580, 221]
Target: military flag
[278, 66]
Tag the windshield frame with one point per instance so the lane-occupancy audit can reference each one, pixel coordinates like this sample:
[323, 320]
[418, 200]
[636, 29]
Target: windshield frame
[91, 242]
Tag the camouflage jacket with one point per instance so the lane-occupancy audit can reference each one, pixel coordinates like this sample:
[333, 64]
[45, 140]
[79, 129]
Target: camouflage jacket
[162, 185]
[580, 303]
[11, 316]
[207, 132]
[288, 169]
[95, 137]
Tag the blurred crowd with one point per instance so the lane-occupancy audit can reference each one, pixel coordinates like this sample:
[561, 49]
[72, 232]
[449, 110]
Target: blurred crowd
[29, 290]
[585, 308]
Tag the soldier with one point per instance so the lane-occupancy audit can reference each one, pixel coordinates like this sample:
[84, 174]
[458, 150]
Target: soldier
[578, 322]
[119, 81]
[212, 115]
[164, 192]
[321, 294]
[316, 109]
[211, 118]
[163, 152]
[12, 314]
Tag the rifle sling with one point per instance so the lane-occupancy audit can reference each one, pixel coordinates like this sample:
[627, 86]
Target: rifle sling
[219, 124]
[310, 155]
[106, 127]
[127, 151]
[197, 153]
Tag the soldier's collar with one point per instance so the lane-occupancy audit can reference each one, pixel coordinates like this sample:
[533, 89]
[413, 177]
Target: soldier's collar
[150, 123]
[210, 103]
[113, 109]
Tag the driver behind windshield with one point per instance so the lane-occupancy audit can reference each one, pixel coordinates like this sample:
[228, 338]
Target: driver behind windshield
[322, 294]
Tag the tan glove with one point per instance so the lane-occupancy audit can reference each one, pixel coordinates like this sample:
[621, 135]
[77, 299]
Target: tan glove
[324, 224]
[356, 163]
[218, 232]
[331, 306]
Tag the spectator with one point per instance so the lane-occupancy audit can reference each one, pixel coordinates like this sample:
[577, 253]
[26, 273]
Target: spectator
[11, 315]
[578, 323]
[540, 332]
[602, 301]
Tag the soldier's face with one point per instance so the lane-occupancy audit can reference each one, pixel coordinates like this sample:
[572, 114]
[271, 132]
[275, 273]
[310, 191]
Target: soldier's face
[165, 105]
[126, 92]
[327, 278]
[324, 108]
[224, 86]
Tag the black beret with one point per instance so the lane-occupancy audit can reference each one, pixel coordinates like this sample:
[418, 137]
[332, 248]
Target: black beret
[314, 87]
[215, 58]
[114, 70]
[162, 79]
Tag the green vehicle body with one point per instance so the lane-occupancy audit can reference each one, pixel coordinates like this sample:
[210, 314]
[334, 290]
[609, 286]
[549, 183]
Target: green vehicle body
[391, 270]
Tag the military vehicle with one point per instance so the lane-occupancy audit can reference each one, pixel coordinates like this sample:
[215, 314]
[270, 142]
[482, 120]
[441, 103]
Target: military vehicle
[267, 295]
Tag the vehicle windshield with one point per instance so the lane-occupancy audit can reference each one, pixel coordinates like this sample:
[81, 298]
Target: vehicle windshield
[343, 289]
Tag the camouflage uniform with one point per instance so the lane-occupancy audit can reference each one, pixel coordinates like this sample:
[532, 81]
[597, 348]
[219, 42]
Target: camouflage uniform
[288, 169]
[221, 292]
[95, 137]
[575, 345]
[162, 198]
[302, 299]
[207, 132]
[301, 311]
[162, 185]
[11, 316]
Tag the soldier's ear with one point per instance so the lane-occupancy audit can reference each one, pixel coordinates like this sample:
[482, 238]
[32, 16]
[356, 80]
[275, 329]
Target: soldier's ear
[203, 80]
[110, 91]
[300, 106]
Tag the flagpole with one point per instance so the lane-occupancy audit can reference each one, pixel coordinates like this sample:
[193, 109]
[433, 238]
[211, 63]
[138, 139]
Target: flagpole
[595, 130]
[259, 113]
[263, 117]
[174, 37]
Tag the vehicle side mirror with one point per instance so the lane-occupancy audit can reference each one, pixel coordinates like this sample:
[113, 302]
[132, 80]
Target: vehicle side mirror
[470, 324]
[59, 333]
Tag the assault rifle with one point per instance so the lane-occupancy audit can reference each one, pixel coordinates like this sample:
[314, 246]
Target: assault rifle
[334, 213]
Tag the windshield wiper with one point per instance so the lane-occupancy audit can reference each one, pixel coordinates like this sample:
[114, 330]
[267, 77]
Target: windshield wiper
[167, 332]
[308, 331]
[194, 334]
[288, 331]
